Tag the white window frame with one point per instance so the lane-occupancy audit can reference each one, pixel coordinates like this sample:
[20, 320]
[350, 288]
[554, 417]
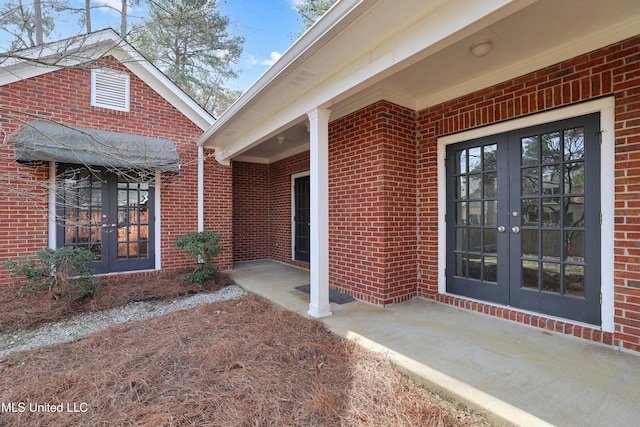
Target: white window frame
[126, 80]
[606, 108]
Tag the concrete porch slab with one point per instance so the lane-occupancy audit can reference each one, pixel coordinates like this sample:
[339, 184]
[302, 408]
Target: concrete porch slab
[520, 375]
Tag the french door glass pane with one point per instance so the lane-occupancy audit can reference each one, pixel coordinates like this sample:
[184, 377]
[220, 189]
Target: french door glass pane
[133, 219]
[82, 208]
[552, 209]
[476, 212]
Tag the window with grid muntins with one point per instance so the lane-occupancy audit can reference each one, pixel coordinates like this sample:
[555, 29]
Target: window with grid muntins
[110, 90]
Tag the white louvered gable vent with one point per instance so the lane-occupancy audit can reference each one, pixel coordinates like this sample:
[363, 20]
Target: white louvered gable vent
[110, 90]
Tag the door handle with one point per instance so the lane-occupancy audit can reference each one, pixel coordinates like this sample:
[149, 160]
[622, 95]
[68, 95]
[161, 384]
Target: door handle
[501, 229]
[515, 229]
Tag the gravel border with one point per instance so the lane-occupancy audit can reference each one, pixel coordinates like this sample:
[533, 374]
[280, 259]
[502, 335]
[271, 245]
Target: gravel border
[69, 330]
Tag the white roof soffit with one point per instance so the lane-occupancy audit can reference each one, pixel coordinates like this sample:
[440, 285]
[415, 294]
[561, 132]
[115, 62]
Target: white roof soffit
[414, 53]
[86, 48]
[355, 41]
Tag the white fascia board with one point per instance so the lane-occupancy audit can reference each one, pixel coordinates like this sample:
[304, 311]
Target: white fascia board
[162, 85]
[452, 22]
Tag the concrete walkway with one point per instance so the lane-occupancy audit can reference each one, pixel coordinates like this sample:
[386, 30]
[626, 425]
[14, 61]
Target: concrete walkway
[513, 373]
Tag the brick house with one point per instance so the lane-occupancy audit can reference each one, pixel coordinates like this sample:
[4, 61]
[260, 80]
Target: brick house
[116, 138]
[480, 154]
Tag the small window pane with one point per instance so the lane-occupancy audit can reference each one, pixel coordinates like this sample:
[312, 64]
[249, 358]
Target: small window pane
[475, 213]
[574, 144]
[491, 212]
[461, 161]
[490, 185]
[475, 267]
[574, 178]
[490, 269]
[529, 181]
[475, 239]
[551, 212]
[573, 212]
[574, 246]
[460, 267]
[461, 213]
[551, 180]
[574, 280]
[529, 151]
[490, 160]
[490, 243]
[475, 186]
[461, 239]
[551, 148]
[530, 213]
[461, 187]
[551, 277]
[475, 159]
[529, 274]
[530, 243]
[551, 245]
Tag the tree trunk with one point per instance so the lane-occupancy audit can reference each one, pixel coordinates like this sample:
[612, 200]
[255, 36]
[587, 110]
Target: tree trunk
[37, 21]
[87, 11]
[123, 20]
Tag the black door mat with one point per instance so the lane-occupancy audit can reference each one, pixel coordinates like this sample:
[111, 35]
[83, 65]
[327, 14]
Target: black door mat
[334, 296]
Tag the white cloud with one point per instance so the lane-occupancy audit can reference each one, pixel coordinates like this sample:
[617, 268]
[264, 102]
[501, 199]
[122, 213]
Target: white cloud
[273, 57]
[252, 60]
[294, 3]
[116, 4]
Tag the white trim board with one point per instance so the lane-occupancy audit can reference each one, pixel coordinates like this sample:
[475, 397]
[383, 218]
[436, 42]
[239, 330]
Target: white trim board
[606, 108]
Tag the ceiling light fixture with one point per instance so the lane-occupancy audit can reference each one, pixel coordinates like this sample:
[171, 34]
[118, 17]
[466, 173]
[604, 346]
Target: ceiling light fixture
[481, 48]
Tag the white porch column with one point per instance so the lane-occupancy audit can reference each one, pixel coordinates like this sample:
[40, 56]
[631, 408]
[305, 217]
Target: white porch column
[200, 188]
[319, 139]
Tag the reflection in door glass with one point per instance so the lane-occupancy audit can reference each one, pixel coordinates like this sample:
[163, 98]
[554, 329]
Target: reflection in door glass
[81, 207]
[476, 211]
[553, 227]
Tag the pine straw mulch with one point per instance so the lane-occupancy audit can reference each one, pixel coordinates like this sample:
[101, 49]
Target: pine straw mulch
[32, 309]
[235, 363]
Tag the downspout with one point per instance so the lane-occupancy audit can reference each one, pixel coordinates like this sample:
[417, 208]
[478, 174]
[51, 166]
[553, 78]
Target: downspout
[52, 206]
[200, 188]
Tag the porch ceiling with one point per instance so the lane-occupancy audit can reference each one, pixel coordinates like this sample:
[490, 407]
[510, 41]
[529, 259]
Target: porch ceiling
[416, 55]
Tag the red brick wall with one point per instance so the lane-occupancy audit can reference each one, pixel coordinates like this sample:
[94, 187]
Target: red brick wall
[251, 211]
[64, 96]
[280, 207]
[614, 70]
[372, 204]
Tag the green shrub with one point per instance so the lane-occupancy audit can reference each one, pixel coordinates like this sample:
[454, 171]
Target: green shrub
[201, 247]
[63, 271]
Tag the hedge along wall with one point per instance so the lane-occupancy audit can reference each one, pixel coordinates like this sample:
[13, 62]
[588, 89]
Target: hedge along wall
[64, 96]
[614, 70]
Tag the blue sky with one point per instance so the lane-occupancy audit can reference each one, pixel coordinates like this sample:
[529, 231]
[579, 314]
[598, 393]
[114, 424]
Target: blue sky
[268, 26]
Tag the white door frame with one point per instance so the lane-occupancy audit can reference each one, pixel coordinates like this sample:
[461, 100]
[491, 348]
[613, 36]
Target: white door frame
[606, 108]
